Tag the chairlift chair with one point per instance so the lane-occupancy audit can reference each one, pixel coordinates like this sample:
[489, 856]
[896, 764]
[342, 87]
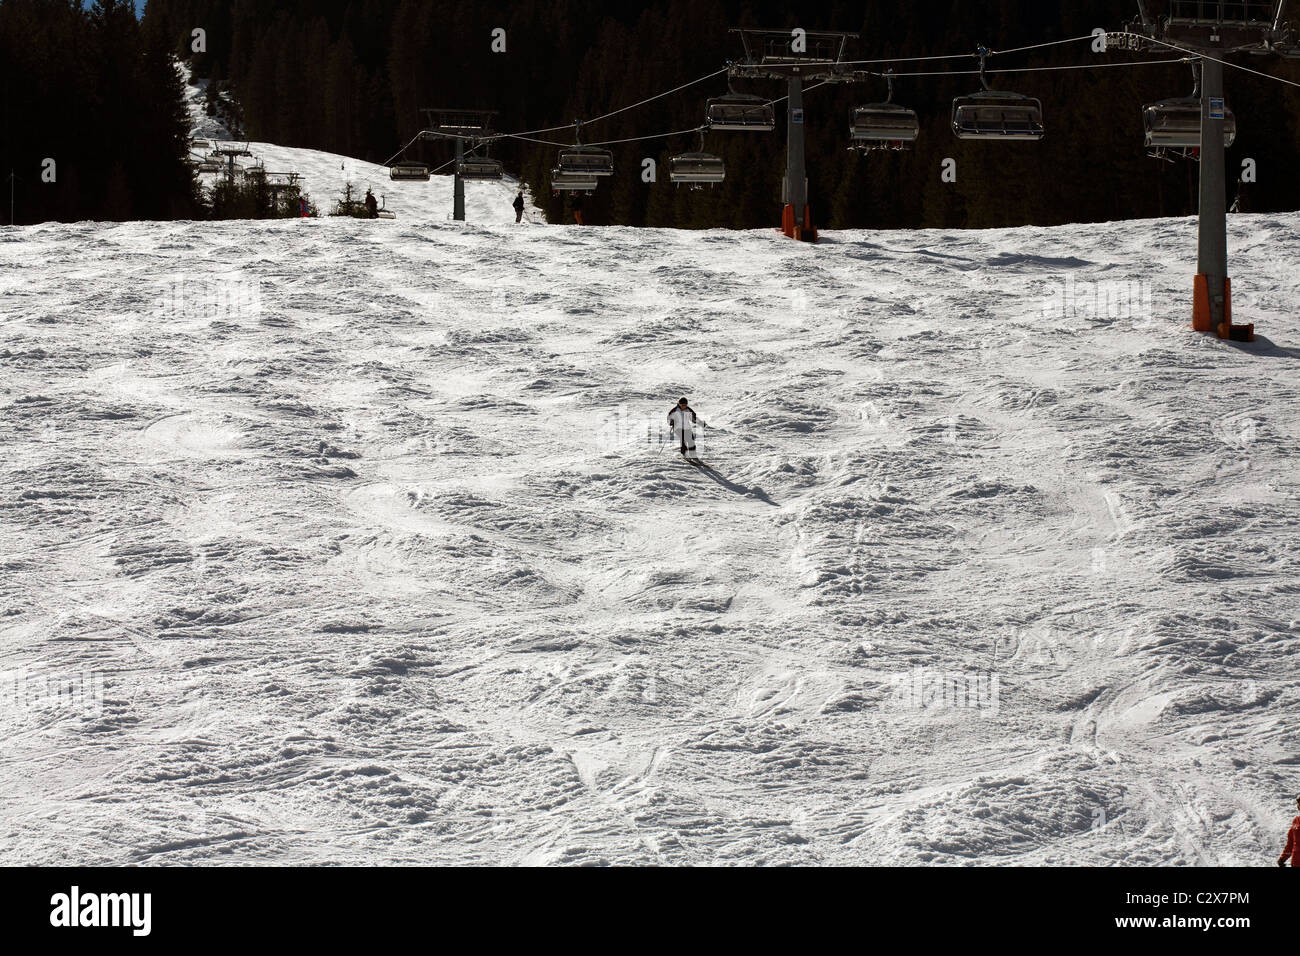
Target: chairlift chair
[409, 173]
[995, 114]
[741, 112]
[206, 167]
[569, 181]
[1175, 124]
[697, 169]
[583, 162]
[480, 168]
[586, 160]
[884, 125]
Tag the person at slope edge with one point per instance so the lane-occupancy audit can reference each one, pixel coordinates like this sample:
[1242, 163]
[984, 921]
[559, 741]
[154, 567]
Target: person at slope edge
[682, 422]
[372, 205]
[519, 207]
[1292, 851]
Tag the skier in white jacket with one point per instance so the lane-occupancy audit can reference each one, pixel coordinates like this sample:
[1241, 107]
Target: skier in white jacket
[682, 422]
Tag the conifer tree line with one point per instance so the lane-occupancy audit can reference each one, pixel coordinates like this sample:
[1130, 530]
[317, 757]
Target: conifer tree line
[92, 115]
[350, 76]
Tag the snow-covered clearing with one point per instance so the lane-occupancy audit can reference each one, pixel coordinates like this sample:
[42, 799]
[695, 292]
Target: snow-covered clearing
[364, 530]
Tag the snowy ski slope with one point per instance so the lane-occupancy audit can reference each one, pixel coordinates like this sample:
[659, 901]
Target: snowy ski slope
[359, 542]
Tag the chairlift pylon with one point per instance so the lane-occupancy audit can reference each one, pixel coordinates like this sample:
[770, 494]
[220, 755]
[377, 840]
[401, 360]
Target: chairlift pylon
[996, 115]
[884, 125]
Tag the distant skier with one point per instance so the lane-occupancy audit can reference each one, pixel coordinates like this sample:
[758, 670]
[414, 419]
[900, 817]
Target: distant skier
[519, 207]
[1292, 851]
[577, 210]
[372, 205]
[682, 422]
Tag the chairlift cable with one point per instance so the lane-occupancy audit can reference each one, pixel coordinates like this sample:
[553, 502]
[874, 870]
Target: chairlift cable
[555, 129]
[1039, 46]
[1043, 69]
[637, 139]
[964, 56]
[1089, 66]
[530, 139]
[657, 96]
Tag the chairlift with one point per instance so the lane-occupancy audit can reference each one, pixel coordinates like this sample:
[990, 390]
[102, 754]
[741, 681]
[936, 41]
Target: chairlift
[740, 112]
[572, 181]
[206, 167]
[884, 125]
[698, 169]
[1175, 124]
[409, 173]
[480, 168]
[996, 115]
[585, 161]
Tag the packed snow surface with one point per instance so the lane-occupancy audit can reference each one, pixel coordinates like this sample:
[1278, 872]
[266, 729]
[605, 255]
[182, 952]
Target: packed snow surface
[358, 542]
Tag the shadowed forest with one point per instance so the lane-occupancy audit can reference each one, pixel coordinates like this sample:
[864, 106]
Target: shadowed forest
[92, 87]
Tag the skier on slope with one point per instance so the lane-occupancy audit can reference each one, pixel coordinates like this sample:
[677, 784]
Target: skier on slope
[1292, 851]
[372, 205]
[519, 207]
[682, 422]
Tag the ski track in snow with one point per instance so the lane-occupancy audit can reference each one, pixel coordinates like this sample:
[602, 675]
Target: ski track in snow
[377, 565]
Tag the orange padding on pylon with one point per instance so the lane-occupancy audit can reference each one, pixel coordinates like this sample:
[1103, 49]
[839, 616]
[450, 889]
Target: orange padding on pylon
[1201, 313]
[1201, 304]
